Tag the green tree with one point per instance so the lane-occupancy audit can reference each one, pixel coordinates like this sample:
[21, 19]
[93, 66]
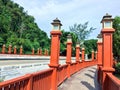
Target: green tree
[81, 30]
[18, 28]
[116, 38]
[89, 46]
[63, 43]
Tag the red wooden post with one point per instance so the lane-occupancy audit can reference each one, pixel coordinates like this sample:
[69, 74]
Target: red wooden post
[100, 49]
[99, 57]
[9, 49]
[21, 50]
[83, 54]
[15, 50]
[69, 51]
[33, 51]
[45, 52]
[83, 57]
[77, 55]
[54, 58]
[107, 32]
[92, 55]
[38, 51]
[29, 85]
[3, 49]
[96, 55]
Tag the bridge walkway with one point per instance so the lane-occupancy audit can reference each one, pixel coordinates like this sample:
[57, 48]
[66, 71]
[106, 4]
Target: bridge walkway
[85, 79]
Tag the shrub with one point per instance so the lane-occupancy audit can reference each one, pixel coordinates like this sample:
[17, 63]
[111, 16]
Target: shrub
[117, 68]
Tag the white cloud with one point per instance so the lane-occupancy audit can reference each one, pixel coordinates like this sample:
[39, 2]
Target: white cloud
[70, 11]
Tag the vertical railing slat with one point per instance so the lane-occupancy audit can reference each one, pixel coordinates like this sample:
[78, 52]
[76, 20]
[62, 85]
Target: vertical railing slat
[37, 82]
[12, 87]
[21, 85]
[17, 86]
[6, 88]
[25, 85]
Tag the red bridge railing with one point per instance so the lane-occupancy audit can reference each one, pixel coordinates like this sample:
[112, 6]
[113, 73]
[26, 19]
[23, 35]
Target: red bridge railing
[112, 82]
[62, 74]
[42, 80]
[105, 57]
[51, 78]
[34, 81]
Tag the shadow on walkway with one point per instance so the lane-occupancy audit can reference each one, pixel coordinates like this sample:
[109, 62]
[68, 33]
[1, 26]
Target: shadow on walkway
[88, 85]
[85, 79]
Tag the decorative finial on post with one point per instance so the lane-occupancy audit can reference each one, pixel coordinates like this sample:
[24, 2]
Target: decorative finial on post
[69, 38]
[107, 21]
[56, 24]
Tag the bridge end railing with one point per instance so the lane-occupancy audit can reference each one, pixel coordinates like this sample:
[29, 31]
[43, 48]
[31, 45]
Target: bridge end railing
[111, 82]
[105, 56]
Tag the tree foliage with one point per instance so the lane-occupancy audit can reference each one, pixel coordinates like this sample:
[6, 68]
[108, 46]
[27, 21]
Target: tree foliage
[18, 28]
[90, 45]
[116, 37]
[81, 30]
[63, 43]
[117, 70]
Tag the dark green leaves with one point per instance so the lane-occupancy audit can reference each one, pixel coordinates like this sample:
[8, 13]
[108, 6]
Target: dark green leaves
[116, 37]
[18, 28]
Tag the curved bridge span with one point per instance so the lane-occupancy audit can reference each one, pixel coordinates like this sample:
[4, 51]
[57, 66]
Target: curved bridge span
[38, 80]
[85, 79]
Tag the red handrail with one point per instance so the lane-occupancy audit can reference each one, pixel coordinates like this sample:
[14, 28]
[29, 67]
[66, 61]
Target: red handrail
[62, 74]
[17, 82]
[42, 80]
[113, 83]
[28, 81]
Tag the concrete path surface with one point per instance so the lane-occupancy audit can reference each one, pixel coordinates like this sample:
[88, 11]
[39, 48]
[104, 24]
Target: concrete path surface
[85, 79]
[11, 59]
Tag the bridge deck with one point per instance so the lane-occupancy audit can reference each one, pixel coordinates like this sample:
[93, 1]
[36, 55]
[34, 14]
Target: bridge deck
[86, 79]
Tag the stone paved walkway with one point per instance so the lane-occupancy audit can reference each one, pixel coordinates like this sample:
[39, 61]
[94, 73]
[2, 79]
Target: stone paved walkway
[85, 79]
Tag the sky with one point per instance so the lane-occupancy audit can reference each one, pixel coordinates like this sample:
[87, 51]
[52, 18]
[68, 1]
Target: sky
[70, 12]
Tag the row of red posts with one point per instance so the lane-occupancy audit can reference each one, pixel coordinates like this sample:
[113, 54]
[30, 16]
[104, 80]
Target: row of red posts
[58, 73]
[55, 49]
[51, 78]
[105, 56]
[39, 51]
